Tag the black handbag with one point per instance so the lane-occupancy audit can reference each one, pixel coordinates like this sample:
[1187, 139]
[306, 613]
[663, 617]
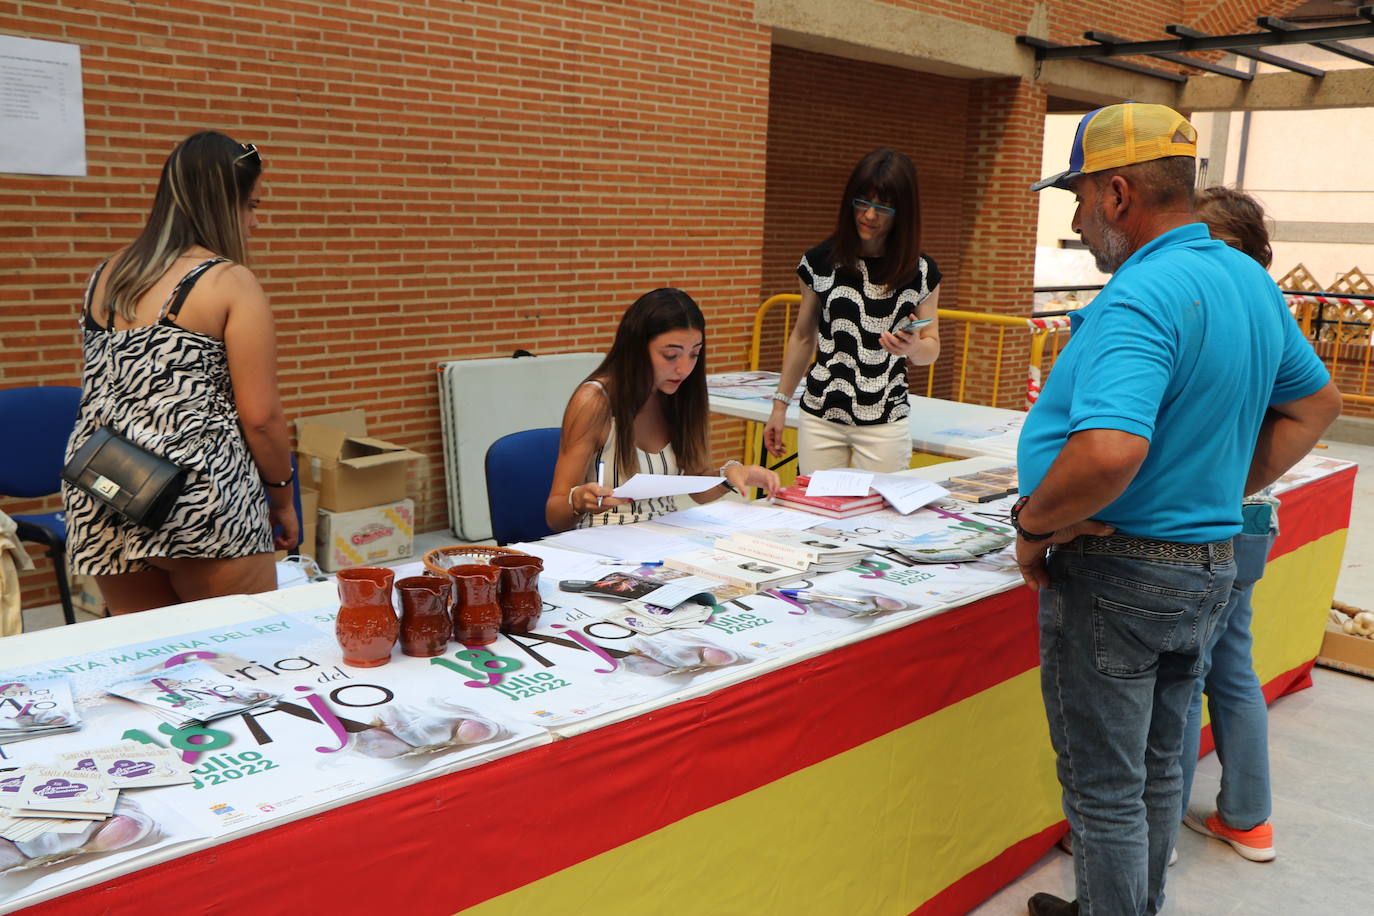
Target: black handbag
[128, 478]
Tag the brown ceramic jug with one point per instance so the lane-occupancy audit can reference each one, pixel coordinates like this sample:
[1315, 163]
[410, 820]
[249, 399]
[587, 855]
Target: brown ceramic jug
[366, 626]
[520, 600]
[476, 606]
[425, 622]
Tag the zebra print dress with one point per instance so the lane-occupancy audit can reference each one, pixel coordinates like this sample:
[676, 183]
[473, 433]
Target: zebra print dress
[167, 389]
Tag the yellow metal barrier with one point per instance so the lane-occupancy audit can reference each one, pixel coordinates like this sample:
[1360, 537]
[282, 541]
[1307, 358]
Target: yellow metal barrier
[1043, 330]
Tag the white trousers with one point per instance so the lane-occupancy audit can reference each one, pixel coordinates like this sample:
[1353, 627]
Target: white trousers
[883, 447]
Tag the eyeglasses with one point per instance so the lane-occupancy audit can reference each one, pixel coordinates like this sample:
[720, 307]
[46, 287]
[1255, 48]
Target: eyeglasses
[883, 210]
[250, 152]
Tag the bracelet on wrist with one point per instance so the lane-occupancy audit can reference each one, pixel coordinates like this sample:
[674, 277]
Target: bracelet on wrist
[1016, 522]
[725, 467]
[277, 485]
[782, 398]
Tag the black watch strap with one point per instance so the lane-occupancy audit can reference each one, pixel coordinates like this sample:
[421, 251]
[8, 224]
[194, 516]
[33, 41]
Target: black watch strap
[1016, 522]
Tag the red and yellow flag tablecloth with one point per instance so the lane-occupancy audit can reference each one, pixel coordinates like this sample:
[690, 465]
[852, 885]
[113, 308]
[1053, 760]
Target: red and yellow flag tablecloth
[910, 772]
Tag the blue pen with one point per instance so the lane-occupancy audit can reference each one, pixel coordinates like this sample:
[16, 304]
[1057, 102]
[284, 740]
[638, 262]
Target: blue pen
[630, 563]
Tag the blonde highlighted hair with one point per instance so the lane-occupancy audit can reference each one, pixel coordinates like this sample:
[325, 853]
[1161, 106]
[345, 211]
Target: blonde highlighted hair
[205, 183]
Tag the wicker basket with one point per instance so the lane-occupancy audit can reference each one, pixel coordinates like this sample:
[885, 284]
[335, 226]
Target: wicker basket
[438, 560]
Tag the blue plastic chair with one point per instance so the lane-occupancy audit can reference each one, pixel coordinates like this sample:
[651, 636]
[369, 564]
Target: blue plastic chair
[36, 423]
[519, 474]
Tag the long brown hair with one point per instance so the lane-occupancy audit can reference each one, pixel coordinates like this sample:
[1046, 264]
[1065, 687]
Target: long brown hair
[883, 175]
[1237, 219]
[628, 375]
[205, 183]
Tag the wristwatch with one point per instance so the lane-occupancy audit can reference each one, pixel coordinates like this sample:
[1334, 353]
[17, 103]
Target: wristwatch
[1016, 522]
[726, 483]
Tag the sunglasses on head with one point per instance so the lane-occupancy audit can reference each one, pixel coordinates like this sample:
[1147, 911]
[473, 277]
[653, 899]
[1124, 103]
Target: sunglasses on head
[250, 153]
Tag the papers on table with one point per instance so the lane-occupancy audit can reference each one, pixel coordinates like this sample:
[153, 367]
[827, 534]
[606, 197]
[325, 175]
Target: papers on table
[840, 482]
[191, 693]
[36, 705]
[725, 517]
[650, 486]
[907, 494]
[627, 542]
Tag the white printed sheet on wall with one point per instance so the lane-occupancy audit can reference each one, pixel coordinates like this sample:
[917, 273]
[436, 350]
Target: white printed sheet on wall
[42, 120]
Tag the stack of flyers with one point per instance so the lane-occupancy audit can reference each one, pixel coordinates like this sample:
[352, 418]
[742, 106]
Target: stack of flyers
[191, 693]
[38, 705]
[131, 765]
[681, 602]
[61, 793]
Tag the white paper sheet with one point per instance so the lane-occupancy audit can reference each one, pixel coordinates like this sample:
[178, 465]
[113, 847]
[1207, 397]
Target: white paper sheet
[625, 542]
[649, 486]
[907, 494]
[840, 482]
[725, 517]
[42, 118]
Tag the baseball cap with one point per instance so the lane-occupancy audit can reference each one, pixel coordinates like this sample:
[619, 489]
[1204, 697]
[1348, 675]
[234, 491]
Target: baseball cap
[1124, 134]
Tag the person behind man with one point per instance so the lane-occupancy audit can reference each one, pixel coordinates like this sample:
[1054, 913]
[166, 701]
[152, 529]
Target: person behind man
[1186, 385]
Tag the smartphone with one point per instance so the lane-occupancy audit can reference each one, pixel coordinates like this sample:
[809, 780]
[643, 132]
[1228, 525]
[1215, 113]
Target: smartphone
[911, 323]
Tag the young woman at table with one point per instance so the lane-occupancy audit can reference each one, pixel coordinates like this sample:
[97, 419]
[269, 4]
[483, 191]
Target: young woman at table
[180, 357]
[644, 410]
[858, 288]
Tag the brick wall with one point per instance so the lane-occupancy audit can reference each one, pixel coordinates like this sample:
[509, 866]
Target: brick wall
[443, 180]
[824, 114]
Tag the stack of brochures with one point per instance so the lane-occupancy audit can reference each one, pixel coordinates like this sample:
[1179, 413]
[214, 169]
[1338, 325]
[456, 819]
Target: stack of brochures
[192, 693]
[736, 569]
[805, 551]
[36, 705]
[651, 606]
[983, 486]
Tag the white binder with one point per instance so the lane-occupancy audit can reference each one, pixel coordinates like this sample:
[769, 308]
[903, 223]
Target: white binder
[481, 400]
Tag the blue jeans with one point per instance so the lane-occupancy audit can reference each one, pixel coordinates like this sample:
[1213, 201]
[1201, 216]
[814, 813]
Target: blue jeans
[1121, 642]
[1240, 718]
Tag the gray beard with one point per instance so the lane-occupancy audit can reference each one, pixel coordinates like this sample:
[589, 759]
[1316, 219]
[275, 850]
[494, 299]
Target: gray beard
[1116, 247]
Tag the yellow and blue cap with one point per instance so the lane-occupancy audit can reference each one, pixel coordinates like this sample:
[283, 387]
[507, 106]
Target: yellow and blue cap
[1124, 134]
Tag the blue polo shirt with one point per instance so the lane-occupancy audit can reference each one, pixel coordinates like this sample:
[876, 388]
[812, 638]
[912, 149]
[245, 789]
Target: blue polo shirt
[1186, 347]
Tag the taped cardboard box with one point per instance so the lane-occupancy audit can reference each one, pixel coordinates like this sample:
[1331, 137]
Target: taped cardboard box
[1354, 654]
[350, 469]
[366, 537]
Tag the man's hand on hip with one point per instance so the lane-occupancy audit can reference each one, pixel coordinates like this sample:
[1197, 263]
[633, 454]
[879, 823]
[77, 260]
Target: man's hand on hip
[1030, 555]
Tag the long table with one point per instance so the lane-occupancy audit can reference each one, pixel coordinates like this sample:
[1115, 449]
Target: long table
[902, 768]
[938, 426]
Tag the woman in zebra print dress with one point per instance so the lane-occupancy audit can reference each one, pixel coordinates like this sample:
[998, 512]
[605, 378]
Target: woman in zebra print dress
[644, 410]
[180, 357]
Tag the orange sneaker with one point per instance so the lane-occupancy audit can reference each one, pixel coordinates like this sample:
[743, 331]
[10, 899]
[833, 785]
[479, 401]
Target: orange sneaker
[1255, 844]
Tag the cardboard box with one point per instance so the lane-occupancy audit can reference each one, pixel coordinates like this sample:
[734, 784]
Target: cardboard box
[1354, 654]
[310, 508]
[86, 597]
[350, 469]
[366, 537]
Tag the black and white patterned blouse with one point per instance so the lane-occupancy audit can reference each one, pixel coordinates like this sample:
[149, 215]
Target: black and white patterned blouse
[855, 381]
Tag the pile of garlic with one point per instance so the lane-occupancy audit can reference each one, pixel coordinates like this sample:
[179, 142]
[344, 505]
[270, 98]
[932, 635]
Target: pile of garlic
[1352, 620]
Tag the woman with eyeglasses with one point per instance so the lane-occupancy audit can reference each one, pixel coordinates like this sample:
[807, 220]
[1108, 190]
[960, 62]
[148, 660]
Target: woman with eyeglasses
[643, 410]
[860, 289]
[180, 358]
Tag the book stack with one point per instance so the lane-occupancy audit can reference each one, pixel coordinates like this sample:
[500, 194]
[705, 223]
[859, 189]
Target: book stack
[805, 551]
[733, 569]
[36, 705]
[191, 693]
[984, 486]
[794, 497]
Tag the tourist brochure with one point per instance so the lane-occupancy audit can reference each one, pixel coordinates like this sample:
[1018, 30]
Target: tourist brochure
[191, 693]
[36, 705]
[66, 793]
[805, 551]
[652, 606]
[907, 494]
[131, 765]
[732, 568]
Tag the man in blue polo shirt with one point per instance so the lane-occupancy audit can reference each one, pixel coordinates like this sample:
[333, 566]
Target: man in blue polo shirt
[1186, 385]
